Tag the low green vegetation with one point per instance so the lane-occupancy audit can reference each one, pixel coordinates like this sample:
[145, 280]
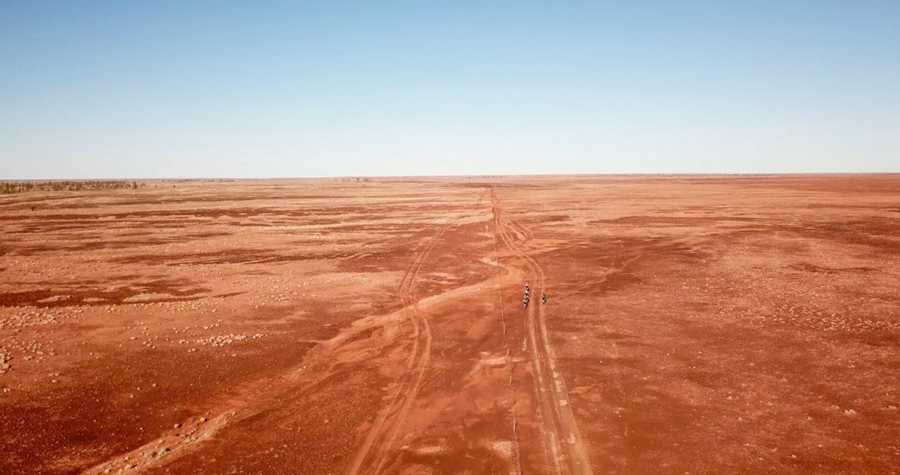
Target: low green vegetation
[11, 187]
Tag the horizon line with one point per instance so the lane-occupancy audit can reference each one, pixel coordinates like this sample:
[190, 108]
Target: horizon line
[485, 175]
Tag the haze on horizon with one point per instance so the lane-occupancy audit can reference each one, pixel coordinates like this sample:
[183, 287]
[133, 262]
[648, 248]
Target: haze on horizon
[297, 89]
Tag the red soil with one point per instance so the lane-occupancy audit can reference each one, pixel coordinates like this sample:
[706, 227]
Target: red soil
[693, 324]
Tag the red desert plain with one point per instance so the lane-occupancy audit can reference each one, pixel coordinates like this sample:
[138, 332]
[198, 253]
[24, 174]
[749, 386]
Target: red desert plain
[691, 324]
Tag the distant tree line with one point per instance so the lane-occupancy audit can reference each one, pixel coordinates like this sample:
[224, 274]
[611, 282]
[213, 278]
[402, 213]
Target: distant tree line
[11, 187]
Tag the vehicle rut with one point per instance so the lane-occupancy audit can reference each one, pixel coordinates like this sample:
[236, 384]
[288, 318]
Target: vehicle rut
[382, 436]
[564, 444]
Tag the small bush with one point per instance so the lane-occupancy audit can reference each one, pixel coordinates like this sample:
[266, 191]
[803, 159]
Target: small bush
[10, 187]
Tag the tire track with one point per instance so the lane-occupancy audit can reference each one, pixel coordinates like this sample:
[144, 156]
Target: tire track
[383, 434]
[258, 396]
[565, 447]
[517, 461]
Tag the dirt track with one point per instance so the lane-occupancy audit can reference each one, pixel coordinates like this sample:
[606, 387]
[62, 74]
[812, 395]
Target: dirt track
[694, 324]
[565, 447]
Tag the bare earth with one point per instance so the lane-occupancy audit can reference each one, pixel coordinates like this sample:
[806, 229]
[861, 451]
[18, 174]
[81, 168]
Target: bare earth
[693, 325]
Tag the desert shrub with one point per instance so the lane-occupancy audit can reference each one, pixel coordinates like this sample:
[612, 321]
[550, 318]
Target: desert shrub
[10, 187]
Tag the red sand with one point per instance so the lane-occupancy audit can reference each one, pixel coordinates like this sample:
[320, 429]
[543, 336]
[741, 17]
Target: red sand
[693, 325]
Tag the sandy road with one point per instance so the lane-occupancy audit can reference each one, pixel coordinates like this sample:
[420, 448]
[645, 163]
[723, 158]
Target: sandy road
[566, 452]
[517, 462]
[263, 394]
[372, 453]
[564, 444]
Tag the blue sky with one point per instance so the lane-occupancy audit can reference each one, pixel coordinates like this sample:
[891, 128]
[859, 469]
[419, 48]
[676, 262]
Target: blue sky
[136, 89]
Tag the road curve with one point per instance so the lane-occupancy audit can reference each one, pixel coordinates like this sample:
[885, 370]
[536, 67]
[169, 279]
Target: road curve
[373, 453]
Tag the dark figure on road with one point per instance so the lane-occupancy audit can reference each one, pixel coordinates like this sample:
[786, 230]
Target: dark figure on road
[544, 298]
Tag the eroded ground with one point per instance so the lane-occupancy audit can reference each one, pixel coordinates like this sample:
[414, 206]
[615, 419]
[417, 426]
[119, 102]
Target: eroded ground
[693, 325]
